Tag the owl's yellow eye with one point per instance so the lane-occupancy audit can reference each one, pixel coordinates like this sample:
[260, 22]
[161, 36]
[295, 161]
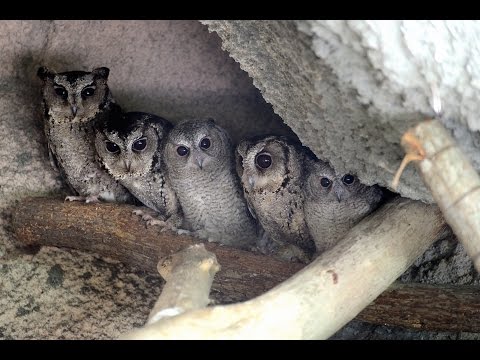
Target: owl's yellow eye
[112, 147]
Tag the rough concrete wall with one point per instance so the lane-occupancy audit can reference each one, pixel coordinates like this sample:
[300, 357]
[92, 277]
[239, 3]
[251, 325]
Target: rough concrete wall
[171, 68]
[349, 89]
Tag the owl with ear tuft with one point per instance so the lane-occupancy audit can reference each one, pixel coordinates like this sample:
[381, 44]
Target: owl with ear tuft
[272, 171]
[334, 203]
[73, 103]
[200, 163]
[130, 148]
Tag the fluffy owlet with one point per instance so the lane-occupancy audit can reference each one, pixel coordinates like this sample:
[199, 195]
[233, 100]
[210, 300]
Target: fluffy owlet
[200, 163]
[272, 171]
[335, 203]
[130, 147]
[73, 102]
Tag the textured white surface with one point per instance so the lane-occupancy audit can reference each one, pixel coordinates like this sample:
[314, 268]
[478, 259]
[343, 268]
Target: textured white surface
[350, 89]
[391, 60]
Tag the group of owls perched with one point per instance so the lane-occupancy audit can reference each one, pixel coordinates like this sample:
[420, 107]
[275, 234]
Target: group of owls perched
[270, 193]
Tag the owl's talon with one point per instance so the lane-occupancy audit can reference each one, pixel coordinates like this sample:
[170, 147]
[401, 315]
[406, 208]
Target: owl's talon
[147, 218]
[92, 199]
[153, 222]
[168, 227]
[151, 217]
[75, 198]
[184, 232]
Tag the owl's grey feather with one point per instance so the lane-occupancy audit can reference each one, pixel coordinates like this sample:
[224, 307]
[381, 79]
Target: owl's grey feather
[206, 184]
[275, 193]
[130, 148]
[331, 211]
[73, 102]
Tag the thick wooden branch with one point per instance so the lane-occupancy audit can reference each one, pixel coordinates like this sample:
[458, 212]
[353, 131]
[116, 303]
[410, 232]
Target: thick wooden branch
[320, 299]
[111, 230]
[189, 276]
[454, 183]
[453, 308]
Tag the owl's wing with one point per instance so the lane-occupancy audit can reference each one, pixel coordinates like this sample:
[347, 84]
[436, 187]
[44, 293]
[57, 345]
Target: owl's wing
[376, 196]
[58, 168]
[53, 160]
[250, 208]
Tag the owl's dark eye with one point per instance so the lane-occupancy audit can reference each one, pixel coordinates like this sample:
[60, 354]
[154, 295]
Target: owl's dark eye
[205, 143]
[325, 182]
[182, 150]
[89, 91]
[263, 161]
[61, 91]
[140, 144]
[112, 147]
[348, 179]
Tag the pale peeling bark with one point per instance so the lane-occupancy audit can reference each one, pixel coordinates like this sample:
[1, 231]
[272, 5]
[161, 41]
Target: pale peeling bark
[189, 276]
[454, 183]
[324, 296]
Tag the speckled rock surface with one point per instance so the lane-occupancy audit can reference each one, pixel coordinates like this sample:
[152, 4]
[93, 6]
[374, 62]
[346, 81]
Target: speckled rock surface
[171, 68]
[70, 295]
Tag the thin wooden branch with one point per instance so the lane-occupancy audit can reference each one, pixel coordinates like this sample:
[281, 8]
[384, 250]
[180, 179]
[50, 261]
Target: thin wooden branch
[112, 230]
[320, 299]
[189, 276]
[454, 183]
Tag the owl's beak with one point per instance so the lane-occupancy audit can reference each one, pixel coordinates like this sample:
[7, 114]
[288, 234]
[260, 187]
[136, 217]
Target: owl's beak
[74, 110]
[199, 161]
[251, 181]
[338, 192]
[339, 196]
[128, 165]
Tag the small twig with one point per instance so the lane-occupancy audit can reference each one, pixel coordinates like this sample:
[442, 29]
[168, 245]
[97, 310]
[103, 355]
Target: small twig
[414, 152]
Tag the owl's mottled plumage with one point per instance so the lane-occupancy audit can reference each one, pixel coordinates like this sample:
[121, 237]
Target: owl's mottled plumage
[200, 163]
[272, 170]
[335, 203]
[73, 102]
[130, 148]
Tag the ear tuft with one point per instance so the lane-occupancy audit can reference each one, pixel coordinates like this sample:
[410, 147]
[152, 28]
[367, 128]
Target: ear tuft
[43, 73]
[101, 72]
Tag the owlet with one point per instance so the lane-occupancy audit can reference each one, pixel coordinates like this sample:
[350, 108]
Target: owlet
[200, 163]
[73, 102]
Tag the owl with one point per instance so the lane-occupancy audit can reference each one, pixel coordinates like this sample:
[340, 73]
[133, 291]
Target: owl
[73, 102]
[130, 148]
[272, 171]
[335, 203]
[200, 163]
